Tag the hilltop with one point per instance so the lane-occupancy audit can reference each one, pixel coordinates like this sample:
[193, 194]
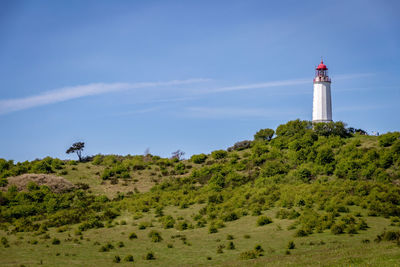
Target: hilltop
[325, 191]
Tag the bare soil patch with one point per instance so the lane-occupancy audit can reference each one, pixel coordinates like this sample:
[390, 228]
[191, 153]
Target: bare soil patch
[56, 184]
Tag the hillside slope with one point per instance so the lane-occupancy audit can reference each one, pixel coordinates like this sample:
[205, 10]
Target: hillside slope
[324, 191]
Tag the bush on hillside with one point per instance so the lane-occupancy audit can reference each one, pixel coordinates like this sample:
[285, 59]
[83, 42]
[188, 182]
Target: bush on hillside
[199, 159]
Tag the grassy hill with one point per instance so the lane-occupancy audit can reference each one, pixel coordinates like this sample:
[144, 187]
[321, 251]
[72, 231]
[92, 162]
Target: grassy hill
[301, 195]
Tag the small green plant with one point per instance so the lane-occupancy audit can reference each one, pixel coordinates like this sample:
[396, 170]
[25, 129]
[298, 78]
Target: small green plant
[229, 237]
[212, 229]
[55, 241]
[155, 236]
[107, 247]
[4, 242]
[117, 259]
[132, 236]
[150, 256]
[248, 255]
[263, 220]
[247, 236]
[129, 258]
[121, 244]
[259, 250]
[291, 245]
[231, 245]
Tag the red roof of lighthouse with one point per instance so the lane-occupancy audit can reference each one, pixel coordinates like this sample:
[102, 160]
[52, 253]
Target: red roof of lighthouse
[322, 66]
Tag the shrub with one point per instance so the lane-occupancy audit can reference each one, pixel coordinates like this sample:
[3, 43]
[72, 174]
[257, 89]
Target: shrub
[388, 139]
[259, 250]
[121, 244]
[231, 245]
[248, 255]
[263, 220]
[55, 241]
[199, 159]
[301, 233]
[232, 216]
[128, 258]
[219, 154]
[117, 259]
[182, 225]
[240, 145]
[264, 134]
[291, 245]
[150, 256]
[4, 242]
[106, 247]
[230, 237]
[337, 229]
[212, 229]
[155, 236]
[167, 221]
[132, 236]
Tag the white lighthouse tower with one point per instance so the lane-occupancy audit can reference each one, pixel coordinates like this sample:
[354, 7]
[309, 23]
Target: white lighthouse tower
[322, 103]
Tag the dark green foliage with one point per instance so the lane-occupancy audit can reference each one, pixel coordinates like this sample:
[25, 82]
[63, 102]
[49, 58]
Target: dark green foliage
[76, 148]
[199, 159]
[132, 236]
[117, 259]
[129, 258]
[107, 247]
[263, 220]
[248, 255]
[338, 229]
[4, 242]
[332, 129]
[240, 146]
[388, 139]
[167, 221]
[55, 241]
[264, 134]
[287, 214]
[150, 256]
[155, 236]
[219, 154]
[231, 245]
[291, 245]
[388, 236]
[212, 229]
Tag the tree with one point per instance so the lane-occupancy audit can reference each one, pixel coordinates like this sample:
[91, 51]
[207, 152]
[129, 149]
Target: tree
[178, 154]
[76, 148]
[264, 134]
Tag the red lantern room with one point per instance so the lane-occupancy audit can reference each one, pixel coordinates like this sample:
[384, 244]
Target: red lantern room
[321, 73]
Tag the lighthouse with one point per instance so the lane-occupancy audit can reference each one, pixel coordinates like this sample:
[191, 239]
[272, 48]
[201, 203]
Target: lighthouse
[322, 103]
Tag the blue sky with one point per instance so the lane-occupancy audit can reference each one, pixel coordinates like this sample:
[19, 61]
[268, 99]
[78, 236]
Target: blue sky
[123, 76]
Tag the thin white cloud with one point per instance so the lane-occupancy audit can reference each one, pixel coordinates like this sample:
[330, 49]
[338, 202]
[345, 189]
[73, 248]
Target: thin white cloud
[67, 93]
[73, 92]
[282, 83]
[257, 86]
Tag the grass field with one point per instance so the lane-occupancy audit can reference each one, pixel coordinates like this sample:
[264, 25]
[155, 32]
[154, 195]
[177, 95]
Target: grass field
[198, 247]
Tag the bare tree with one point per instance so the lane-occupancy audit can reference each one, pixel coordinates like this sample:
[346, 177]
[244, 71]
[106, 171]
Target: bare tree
[76, 148]
[178, 154]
